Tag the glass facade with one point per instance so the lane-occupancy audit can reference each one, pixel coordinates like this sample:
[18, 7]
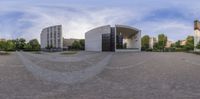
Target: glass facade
[119, 41]
[106, 42]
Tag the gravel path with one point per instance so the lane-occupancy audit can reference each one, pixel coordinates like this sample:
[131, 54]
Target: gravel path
[161, 76]
[59, 58]
[65, 77]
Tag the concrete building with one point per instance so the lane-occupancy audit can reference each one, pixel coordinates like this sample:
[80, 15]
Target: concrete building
[51, 38]
[168, 44]
[183, 42]
[118, 38]
[152, 42]
[1, 39]
[196, 34]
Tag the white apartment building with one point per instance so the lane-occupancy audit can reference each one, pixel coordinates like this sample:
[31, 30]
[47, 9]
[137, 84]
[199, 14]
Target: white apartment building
[169, 44]
[51, 38]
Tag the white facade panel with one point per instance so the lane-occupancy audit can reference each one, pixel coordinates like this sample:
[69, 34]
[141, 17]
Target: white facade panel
[93, 38]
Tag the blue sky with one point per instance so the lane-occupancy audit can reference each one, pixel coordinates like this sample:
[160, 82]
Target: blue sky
[26, 18]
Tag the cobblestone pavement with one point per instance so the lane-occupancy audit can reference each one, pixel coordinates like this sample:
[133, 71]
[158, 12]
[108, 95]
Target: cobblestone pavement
[127, 76]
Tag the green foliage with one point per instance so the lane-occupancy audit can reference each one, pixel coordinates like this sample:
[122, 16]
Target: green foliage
[178, 44]
[189, 43]
[162, 41]
[82, 43]
[145, 42]
[7, 45]
[2, 45]
[69, 53]
[34, 45]
[19, 44]
[78, 45]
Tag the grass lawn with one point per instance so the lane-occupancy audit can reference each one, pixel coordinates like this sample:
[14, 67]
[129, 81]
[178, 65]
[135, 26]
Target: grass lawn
[69, 53]
[36, 52]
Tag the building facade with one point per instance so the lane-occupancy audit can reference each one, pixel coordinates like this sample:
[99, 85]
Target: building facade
[1, 39]
[169, 44]
[51, 38]
[183, 42]
[152, 42]
[196, 34]
[118, 38]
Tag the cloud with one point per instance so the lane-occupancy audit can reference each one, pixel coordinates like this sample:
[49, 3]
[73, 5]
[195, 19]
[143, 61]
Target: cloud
[29, 22]
[172, 17]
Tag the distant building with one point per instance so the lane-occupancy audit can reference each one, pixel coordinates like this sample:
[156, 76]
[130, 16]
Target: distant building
[152, 42]
[1, 39]
[196, 34]
[118, 38]
[51, 38]
[183, 42]
[168, 44]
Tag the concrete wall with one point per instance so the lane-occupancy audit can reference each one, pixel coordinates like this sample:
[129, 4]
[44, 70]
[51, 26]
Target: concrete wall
[93, 38]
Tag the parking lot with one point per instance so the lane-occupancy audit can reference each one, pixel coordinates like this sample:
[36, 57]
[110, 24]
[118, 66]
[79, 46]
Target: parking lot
[131, 75]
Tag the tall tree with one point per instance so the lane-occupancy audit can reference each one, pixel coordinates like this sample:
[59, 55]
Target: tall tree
[162, 41]
[178, 44]
[34, 44]
[76, 45]
[10, 46]
[189, 43]
[20, 43]
[82, 43]
[2, 45]
[145, 42]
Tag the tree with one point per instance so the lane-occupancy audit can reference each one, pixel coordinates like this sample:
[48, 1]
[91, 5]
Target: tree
[2, 45]
[10, 46]
[76, 45]
[189, 43]
[34, 44]
[20, 43]
[145, 42]
[7, 45]
[28, 47]
[82, 44]
[178, 44]
[162, 41]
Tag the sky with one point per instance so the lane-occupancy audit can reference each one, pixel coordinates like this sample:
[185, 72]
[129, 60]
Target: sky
[27, 18]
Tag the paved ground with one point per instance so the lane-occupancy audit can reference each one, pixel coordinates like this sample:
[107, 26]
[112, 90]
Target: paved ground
[127, 76]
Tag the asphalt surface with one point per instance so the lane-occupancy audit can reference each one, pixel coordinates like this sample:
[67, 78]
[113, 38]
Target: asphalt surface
[127, 76]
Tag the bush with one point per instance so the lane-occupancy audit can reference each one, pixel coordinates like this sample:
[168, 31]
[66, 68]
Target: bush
[78, 45]
[149, 50]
